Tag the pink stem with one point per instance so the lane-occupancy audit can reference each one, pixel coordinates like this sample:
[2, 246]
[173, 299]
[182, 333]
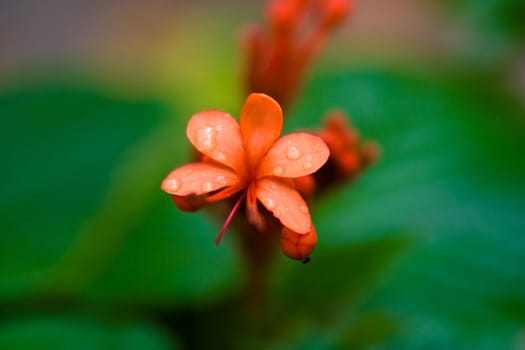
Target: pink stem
[229, 219]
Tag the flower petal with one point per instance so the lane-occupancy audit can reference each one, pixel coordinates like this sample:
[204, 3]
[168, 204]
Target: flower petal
[217, 135]
[198, 178]
[294, 155]
[285, 203]
[297, 246]
[261, 124]
[189, 203]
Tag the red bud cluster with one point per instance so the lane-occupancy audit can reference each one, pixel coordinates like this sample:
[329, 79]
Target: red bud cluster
[277, 59]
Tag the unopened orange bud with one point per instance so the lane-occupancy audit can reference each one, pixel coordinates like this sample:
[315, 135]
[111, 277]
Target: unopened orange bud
[348, 163]
[189, 203]
[335, 12]
[305, 185]
[298, 246]
[284, 14]
[338, 134]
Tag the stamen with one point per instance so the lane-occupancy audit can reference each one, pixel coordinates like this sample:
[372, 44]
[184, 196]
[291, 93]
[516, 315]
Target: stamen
[229, 219]
[252, 213]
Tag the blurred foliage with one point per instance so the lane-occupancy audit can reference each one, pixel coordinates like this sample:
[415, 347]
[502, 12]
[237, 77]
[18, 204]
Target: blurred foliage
[500, 16]
[424, 251]
[452, 174]
[81, 332]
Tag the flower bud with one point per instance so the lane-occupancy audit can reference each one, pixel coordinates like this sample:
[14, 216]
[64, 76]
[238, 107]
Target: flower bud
[305, 185]
[298, 246]
[284, 14]
[189, 203]
[335, 12]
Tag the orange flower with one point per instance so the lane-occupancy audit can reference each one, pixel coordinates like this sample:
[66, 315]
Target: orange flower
[250, 157]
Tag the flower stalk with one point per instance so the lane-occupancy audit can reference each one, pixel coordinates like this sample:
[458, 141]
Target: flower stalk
[266, 181]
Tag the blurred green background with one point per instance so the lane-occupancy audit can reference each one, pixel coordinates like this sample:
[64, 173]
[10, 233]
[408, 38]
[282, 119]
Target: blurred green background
[425, 251]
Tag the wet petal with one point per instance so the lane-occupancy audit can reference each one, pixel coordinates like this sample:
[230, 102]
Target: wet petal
[189, 203]
[285, 203]
[198, 178]
[297, 246]
[294, 155]
[225, 192]
[261, 124]
[217, 135]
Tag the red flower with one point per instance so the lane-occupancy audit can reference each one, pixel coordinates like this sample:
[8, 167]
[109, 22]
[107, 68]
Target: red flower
[277, 59]
[250, 158]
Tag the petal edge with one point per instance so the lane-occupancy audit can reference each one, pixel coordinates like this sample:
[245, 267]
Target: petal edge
[217, 135]
[294, 155]
[261, 124]
[198, 178]
[285, 203]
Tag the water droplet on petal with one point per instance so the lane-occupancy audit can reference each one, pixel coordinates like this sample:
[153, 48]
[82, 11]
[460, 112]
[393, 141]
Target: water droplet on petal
[221, 156]
[218, 127]
[206, 139]
[207, 187]
[307, 165]
[293, 153]
[270, 203]
[303, 209]
[174, 184]
[273, 186]
[221, 180]
[309, 158]
[277, 171]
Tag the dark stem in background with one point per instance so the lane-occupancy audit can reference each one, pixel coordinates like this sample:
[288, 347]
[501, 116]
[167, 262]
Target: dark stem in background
[258, 251]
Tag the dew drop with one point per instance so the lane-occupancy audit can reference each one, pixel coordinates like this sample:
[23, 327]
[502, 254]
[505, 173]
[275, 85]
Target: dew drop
[206, 139]
[221, 156]
[270, 203]
[221, 180]
[293, 153]
[277, 171]
[174, 184]
[307, 166]
[309, 158]
[218, 127]
[303, 209]
[207, 187]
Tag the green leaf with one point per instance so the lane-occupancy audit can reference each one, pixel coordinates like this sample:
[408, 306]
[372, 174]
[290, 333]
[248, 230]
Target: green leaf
[320, 288]
[59, 146]
[85, 214]
[452, 171]
[320, 303]
[168, 259]
[62, 332]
